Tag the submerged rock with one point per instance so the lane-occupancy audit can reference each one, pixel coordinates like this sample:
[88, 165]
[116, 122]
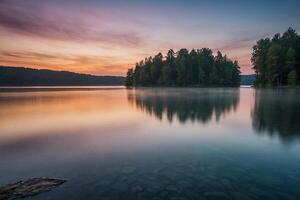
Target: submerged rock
[28, 188]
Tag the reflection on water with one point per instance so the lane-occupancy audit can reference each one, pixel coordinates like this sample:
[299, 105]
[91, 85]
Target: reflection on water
[186, 104]
[277, 113]
[114, 143]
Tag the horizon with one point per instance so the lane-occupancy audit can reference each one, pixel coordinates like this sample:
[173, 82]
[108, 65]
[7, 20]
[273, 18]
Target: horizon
[107, 38]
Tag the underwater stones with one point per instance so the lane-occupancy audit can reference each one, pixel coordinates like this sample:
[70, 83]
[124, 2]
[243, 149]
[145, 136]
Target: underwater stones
[164, 194]
[183, 184]
[239, 195]
[157, 169]
[156, 198]
[120, 187]
[216, 196]
[178, 198]
[227, 184]
[171, 188]
[28, 188]
[136, 188]
[287, 196]
[105, 182]
[128, 169]
[157, 186]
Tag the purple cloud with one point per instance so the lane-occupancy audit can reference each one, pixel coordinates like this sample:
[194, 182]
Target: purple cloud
[61, 24]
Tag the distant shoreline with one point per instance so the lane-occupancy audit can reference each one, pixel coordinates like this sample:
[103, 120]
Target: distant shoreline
[21, 76]
[29, 77]
[8, 89]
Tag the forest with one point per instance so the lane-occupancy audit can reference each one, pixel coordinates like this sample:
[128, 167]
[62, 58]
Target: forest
[21, 76]
[183, 68]
[276, 60]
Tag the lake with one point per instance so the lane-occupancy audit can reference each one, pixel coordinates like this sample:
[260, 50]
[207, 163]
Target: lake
[153, 143]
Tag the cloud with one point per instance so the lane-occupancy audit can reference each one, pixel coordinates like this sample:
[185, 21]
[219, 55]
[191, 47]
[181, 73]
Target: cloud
[99, 65]
[232, 46]
[62, 24]
[240, 41]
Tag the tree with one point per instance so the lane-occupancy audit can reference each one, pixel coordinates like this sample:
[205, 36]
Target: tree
[273, 65]
[194, 68]
[146, 72]
[290, 59]
[236, 78]
[292, 78]
[166, 75]
[259, 57]
[170, 61]
[156, 67]
[181, 67]
[129, 77]
[274, 59]
[205, 61]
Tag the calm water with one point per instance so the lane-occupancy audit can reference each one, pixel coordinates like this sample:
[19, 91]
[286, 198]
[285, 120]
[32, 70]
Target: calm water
[113, 143]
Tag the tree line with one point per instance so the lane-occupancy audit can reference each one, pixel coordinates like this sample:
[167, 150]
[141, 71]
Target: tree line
[21, 76]
[276, 61]
[183, 68]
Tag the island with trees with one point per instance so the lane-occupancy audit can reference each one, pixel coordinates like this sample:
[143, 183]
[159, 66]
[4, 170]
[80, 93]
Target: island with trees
[185, 68]
[276, 61]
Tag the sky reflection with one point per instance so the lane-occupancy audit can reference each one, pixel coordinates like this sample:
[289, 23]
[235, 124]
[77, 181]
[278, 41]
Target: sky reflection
[104, 120]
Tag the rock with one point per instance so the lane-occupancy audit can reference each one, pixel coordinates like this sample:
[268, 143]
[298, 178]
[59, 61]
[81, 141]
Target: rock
[28, 188]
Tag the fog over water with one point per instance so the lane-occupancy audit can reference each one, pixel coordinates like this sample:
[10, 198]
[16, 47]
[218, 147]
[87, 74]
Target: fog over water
[163, 143]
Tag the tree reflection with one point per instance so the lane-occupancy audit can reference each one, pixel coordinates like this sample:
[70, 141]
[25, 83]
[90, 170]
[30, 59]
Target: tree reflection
[277, 113]
[201, 105]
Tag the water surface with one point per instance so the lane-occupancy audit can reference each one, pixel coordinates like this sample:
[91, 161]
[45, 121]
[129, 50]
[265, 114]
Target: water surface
[117, 143]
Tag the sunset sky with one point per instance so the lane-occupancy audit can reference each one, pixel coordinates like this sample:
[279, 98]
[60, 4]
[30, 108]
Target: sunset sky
[107, 37]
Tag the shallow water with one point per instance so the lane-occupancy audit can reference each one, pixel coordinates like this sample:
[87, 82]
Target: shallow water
[114, 143]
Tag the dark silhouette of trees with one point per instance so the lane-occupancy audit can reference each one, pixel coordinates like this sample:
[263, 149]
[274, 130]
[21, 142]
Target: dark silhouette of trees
[277, 61]
[20, 76]
[129, 77]
[185, 104]
[195, 68]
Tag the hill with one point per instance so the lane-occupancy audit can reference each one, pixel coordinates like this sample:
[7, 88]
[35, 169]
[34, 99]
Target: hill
[247, 79]
[21, 76]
